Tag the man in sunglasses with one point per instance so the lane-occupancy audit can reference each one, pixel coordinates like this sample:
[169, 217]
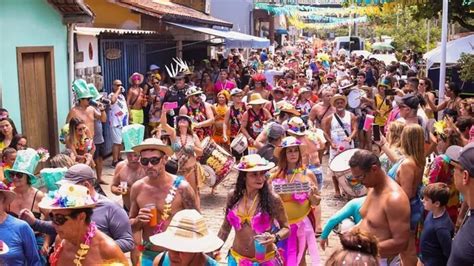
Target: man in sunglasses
[156, 197]
[386, 210]
[109, 217]
[462, 248]
[118, 118]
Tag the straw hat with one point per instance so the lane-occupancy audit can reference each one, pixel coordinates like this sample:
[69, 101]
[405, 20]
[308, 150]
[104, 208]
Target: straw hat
[187, 232]
[69, 196]
[193, 90]
[253, 163]
[9, 195]
[288, 142]
[130, 79]
[235, 91]
[153, 144]
[256, 99]
[296, 126]
[337, 97]
[287, 107]
[303, 90]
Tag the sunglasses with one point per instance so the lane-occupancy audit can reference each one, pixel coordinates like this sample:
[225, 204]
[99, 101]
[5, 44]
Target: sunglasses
[118, 85]
[59, 219]
[152, 160]
[17, 175]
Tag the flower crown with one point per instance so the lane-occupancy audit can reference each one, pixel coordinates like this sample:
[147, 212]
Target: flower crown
[288, 142]
[70, 196]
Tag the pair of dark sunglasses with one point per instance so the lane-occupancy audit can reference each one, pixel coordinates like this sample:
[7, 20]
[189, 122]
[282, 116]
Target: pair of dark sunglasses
[152, 160]
[59, 219]
[16, 175]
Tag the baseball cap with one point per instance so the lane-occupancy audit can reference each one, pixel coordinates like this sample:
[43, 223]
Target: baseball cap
[77, 173]
[409, 100]
[463, 155]
[276, 131]
[235, 91]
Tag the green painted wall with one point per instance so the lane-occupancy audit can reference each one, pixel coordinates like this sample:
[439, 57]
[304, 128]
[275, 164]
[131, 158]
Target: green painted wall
[31, 23]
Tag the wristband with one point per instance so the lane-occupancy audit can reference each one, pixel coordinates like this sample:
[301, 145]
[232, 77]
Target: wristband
[277, 238]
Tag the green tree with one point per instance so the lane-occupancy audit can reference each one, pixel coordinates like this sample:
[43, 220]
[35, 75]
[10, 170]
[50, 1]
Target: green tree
[467, 66]
[460, 11]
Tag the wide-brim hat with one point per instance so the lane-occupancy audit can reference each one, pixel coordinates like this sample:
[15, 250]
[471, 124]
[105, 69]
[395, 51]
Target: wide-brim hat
[286, 143]
[254, 163]
[187, 232]
[346, 85]
[9, 194]
[296, 126]
[256, 99]
[26, 162]
[303, 90]
[68, 196]
[193, 90]
[130, 79]
[337, 97]
[153, 144]
[179, 117]
[286, 107]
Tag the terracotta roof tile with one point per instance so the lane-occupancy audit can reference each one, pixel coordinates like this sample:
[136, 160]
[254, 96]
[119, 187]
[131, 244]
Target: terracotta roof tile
[173, 12]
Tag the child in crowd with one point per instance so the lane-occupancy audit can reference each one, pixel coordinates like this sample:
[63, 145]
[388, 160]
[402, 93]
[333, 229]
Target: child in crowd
[438, 229]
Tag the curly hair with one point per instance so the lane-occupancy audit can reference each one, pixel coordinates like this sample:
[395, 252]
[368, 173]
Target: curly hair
[267, 199]
[358, 248]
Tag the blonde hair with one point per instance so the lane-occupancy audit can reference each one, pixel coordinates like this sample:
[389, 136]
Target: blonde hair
[412, 144]
[395, 129]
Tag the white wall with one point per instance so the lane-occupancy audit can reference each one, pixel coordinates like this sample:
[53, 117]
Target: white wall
[83, 42]
[236, 12]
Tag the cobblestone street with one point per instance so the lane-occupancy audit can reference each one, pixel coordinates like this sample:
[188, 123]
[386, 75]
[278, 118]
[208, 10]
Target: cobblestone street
[213, 207]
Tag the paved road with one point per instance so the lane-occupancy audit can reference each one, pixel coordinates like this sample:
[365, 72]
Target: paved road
[213, 207]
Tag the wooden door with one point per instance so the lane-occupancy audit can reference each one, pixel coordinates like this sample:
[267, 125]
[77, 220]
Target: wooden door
[38, 97]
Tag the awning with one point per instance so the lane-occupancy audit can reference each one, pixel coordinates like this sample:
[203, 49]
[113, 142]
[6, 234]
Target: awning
[233, 39]
[96, 31]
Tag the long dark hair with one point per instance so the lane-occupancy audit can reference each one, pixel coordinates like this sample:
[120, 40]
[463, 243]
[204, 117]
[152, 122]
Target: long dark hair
[267, 199]
[16, 138]
[14, 132]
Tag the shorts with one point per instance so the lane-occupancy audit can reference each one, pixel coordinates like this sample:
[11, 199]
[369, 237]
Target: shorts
[137, 116]
[317, 171]
[116, 134]
[99, 150]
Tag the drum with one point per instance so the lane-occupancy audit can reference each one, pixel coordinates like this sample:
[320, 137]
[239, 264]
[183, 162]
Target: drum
[216, 158]
[209, 175]
[354, 97]
[350, 186]
[239, 144]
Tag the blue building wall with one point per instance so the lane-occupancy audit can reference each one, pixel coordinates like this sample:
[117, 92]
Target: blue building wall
[31, 23]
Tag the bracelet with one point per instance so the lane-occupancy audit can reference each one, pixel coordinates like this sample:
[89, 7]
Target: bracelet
[277, 238]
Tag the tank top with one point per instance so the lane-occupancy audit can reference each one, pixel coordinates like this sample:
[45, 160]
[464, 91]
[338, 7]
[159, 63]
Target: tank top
[199, 115]
[338, 135]
[235, 118]
[255, 123]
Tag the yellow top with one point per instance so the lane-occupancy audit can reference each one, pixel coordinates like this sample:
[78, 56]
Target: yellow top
[2, 146]
[383, 108]
[296, 211]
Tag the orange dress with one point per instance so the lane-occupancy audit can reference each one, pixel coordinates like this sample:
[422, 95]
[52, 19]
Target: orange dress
[219, 124]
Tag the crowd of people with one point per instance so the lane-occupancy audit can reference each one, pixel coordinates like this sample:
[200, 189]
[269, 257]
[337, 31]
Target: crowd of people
[274, 122]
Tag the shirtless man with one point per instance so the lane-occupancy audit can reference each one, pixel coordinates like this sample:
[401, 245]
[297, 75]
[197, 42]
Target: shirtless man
[320, 111]
[74, 227]
[158, 193]
[83, 110]
[136, 99]
[128, 171]
[386, 211]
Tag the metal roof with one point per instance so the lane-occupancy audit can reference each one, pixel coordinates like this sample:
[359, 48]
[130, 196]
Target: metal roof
[96, 31]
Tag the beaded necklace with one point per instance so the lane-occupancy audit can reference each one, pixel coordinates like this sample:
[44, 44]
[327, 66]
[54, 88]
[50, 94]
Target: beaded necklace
[293, 172]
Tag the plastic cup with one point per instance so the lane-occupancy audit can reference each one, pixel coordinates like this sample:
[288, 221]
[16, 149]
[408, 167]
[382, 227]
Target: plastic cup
[369, 120]
[154, 214]
[124, 186]
[260, 249]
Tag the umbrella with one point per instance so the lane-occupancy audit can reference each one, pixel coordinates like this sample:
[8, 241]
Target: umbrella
[382, 46]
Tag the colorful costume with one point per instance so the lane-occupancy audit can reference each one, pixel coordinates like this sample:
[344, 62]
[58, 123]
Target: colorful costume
[260, 223]
[219, 124]
[199, 115]
[298, 209]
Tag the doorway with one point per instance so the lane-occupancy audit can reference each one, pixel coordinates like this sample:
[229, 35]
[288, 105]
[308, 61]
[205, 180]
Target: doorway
[37, 90]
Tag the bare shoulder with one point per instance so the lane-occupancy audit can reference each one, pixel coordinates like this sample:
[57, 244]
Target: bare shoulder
[138, 185]
[396, 198]
[109, 250]
[188, 197]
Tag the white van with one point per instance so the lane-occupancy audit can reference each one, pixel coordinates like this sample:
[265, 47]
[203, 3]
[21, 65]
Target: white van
[348, 43]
